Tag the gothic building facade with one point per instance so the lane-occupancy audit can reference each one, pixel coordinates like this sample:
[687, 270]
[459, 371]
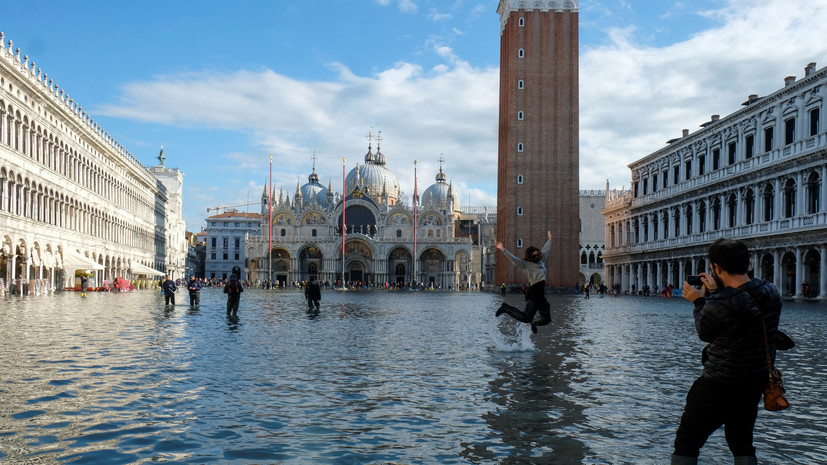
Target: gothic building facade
[384, 239]
[756, 175]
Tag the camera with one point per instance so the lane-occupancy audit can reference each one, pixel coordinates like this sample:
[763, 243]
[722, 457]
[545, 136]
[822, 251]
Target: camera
[694, 280]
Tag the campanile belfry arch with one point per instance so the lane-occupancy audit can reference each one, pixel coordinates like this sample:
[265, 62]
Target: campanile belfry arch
[538, 156]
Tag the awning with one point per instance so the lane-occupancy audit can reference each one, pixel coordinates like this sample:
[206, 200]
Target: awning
[137, 268]
[75, 261]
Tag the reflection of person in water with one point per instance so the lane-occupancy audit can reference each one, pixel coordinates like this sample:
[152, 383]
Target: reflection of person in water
[535, 269]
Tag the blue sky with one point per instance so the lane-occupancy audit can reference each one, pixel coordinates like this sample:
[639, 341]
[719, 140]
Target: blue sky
[223, 85]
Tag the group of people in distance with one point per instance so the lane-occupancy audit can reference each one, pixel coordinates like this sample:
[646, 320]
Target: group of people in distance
[737, 316]
[233, 289]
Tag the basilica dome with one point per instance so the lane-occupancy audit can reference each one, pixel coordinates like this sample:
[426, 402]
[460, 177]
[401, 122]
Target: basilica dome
[373, 178]
[313, 191]
[440, 193]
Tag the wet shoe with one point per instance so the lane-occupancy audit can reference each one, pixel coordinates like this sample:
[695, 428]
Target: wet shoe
[533, 328]
[500, 310]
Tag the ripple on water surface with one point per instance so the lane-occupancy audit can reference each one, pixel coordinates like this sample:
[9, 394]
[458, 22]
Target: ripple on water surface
[374, 377]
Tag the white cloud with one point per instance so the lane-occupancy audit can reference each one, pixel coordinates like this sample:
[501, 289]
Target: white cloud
[407, 6]
[435, 15]
[632, 99]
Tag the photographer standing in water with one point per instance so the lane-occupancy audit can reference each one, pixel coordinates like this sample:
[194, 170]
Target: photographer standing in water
[729, 308]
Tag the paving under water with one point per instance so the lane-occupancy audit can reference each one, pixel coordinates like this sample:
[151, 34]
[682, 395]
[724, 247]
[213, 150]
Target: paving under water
[373, 377]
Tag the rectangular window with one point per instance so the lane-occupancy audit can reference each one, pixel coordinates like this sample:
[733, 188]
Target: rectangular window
[731, 149]
[768, 139]
[789, 131]
[716, 159]
[213, 242]
[645, 186]
[237, 242]
[636, 189]
[814, 116]
[701, 165]
[226, 242]
[654, 182]
[676, 175]
[212, 256]
[688, 169]
[665, 178]
[750, 146]
[225, 255]
[236, 257]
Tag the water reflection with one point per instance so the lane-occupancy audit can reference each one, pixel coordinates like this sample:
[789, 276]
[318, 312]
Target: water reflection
[372, 377]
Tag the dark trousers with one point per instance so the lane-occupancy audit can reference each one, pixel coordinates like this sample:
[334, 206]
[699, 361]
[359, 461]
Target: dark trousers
[169, 298]
[195, 298]
[532, 307]
[709, 405]
[232, 303]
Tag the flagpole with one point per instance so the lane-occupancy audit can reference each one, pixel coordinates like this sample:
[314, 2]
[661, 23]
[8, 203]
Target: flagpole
[416, 224]
[270, 229]
[344, 196]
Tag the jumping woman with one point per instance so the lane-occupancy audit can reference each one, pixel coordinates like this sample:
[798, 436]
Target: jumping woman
[535, 269]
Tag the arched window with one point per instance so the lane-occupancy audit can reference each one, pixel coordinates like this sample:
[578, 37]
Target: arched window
[521, 53]
[313, 233]
[749, 206]
[519, 179]
[732, 206]
[283, 232]
[519, 243]
[521, 22]
[789, 199]
[520, 147]
[702, 217]
[520, 116]
[769, 200]
[813, 193]
[689, 219]
[521, 84]
[519, 211]
[398, 233]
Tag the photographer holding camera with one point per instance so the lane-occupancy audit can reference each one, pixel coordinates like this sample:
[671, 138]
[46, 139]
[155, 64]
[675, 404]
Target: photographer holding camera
[729, 307]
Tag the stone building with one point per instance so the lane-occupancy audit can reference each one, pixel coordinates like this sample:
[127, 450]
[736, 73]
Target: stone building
[227, 236]
[756, 175]
[385, 239]
[71, 197]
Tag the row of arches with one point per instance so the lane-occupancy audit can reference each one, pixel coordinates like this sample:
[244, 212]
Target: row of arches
[30, 199]
[362, 263]
[789, 269]
[780, 198]
[55, 264]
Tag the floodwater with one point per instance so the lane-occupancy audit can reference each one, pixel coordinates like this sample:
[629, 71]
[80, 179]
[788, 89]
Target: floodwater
[373, 378]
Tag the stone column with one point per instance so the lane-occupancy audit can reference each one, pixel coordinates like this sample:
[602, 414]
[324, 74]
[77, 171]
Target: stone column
[799, 272]
[776, 269]
[822, 272]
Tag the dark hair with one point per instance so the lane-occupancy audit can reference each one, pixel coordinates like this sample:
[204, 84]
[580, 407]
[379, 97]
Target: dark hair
[731, 255]
[533, 254]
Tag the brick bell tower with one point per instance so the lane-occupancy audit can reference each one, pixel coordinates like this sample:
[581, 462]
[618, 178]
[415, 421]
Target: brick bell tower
[538, 156]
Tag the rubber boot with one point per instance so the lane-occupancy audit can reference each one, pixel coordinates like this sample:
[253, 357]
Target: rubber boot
[683, 460]
[746, 460]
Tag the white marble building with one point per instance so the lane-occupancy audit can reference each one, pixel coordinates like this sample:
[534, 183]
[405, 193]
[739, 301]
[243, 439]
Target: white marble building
[756, 175]
[71, 197]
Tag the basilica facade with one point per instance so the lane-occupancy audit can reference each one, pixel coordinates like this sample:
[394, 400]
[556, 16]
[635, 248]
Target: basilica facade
[369, 235]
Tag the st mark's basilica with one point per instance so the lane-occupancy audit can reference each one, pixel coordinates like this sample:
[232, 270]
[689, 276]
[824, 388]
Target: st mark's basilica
[380, 244]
